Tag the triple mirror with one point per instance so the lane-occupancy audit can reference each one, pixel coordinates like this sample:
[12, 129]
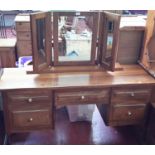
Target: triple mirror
[78, 39]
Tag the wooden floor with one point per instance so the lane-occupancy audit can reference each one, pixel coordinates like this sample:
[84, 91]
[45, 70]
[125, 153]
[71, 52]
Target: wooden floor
[75, 133]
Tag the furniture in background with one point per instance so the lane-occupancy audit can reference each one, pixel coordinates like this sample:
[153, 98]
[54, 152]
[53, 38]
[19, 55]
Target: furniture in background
[23, 33]
[2, 26]
[7, 52]
[147, 60]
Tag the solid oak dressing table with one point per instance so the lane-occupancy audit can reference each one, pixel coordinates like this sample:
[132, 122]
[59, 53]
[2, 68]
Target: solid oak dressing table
[30, 100]
[122, 93]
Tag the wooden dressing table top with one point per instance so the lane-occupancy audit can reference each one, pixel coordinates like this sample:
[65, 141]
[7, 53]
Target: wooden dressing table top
[17, 78]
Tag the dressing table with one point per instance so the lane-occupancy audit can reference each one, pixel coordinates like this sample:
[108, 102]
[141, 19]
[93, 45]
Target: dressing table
[31, 95]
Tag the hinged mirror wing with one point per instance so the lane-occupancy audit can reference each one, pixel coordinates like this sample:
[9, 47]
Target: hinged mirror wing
[41, 40]
[108, 39]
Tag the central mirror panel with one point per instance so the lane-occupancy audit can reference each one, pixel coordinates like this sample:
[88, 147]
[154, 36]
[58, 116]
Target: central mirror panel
[75, 37]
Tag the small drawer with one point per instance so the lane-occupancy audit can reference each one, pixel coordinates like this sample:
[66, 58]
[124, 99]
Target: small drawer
[82, 97]
[24, 36]
[24, 48]
[29, 97]
[23, 26]
[128, 113]
[33, 118]
[130, 95]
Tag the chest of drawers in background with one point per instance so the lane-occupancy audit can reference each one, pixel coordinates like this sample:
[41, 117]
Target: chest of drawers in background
[23, 31]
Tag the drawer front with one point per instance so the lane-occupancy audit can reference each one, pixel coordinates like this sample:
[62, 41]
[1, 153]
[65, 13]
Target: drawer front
[82, 97]
[29, 97]
[130, 95]
[128, 113]
[22, 26]
[24, 48]
[24, 35]
[34, 118]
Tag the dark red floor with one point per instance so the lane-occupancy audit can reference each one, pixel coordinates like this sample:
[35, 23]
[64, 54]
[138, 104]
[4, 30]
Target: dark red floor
[77, 133]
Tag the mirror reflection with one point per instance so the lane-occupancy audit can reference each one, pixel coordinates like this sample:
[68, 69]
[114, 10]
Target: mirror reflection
[75, 37]
[40, 24]
[109, 39]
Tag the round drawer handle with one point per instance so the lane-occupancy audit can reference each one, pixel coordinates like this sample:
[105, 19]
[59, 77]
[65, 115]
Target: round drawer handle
[132, 94]
[129, 113]
[30, 100]
[30, 120]
[82, 97]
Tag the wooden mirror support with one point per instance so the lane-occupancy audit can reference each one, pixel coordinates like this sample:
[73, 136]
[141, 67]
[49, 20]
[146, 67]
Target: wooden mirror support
[147, 60]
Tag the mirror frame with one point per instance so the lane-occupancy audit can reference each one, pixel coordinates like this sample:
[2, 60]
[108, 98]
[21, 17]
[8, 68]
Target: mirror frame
[56, 16]
[105, 17]
[37, 67]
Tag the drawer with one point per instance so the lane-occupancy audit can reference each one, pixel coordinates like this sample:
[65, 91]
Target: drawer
[130, 95]
[82, 97]
[128, 113]
[29, 97]
[24, 48]
[22, 26]
[24, 35]
[33, 118]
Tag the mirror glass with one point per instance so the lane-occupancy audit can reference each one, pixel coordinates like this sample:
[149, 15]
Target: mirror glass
[109, 42]
[109, 39]
[75, 37]
[40, 24]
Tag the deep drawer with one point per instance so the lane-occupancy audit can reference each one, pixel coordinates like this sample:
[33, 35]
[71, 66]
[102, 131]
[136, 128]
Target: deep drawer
[82, 97]
[33, 118]
[130, 95]
[128, 113]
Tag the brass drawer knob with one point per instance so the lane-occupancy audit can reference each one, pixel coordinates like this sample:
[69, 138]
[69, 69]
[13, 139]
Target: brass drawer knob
[30, 119]
[129, 113]
[30, 100]
[82, 97]
[132, 94]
